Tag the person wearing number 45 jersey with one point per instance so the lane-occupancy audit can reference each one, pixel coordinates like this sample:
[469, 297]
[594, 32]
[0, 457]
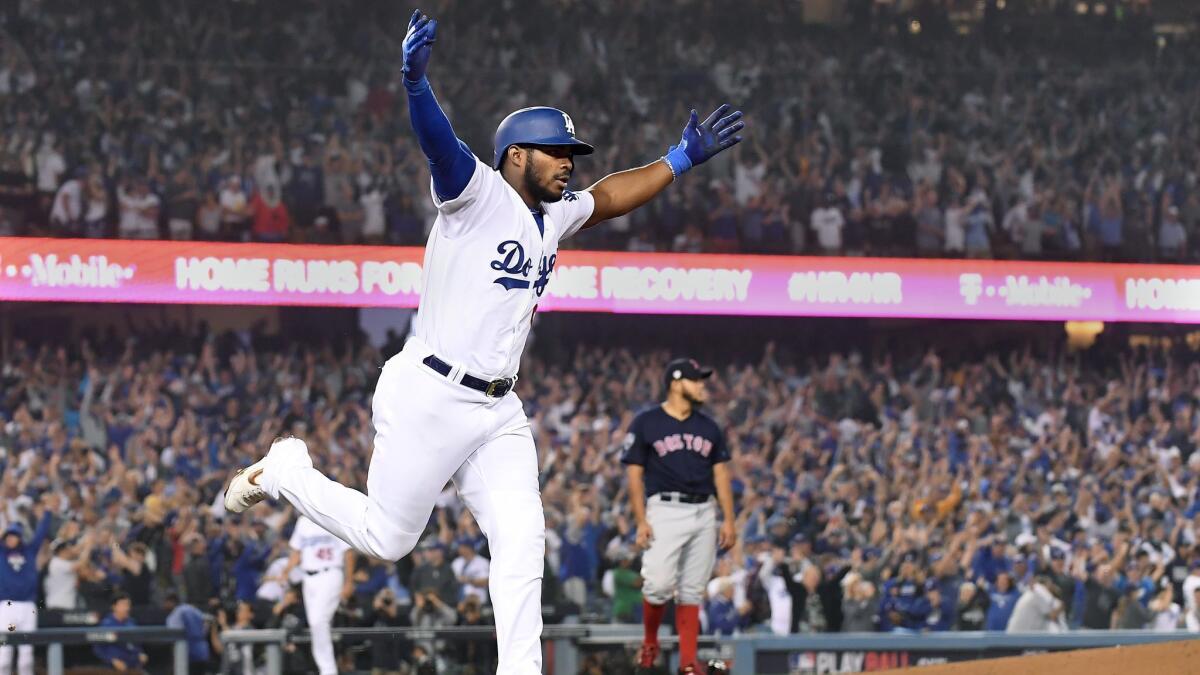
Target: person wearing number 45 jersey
[328, 566]
[444, 407]
[675, 458]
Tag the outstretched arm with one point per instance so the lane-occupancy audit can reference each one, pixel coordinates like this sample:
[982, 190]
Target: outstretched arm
[450, 160]
[619, 193]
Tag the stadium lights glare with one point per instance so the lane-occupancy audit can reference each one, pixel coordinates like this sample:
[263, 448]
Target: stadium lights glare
[1082, 334]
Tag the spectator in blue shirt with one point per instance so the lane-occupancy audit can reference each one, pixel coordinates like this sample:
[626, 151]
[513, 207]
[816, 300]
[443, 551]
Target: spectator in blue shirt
[19, 587]
[908, 608]
[1003, 597]
[941, 606]
[579, 554]
[18, 562]
[191, 620]
[724, 617]
[990, 561]
[122, 656]
[249, 567]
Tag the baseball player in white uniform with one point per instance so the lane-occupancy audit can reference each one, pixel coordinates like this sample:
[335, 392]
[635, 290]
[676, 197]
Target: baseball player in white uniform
[328, 566]
[444, 406]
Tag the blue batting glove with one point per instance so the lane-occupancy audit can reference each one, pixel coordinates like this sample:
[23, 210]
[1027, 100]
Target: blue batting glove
[702, 141]
[418, 45]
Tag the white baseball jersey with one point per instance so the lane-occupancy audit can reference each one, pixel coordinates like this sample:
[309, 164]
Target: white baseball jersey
[318, 548]
[486, 269]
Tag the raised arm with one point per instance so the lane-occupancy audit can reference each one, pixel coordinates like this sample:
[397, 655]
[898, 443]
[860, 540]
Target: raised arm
[450, 160]
[619, 193]
[43, 529]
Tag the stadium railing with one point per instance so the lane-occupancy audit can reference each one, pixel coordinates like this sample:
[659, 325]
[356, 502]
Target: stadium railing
[567, 644]
[758, 654]
[54, 639]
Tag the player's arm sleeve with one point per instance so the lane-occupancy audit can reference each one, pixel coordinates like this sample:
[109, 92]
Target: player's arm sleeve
[572, 212]
[635, 444]
[450, 160]
[720, 451]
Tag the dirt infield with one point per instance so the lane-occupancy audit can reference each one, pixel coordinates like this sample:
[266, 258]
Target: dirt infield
[1168, 658]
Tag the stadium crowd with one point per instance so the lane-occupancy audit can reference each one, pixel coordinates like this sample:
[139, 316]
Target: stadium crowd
[282, 121]
[1023, 490]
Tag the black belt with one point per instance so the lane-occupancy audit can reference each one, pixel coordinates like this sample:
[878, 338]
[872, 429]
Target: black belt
[320, 571]
[683, 497]
[494, 389]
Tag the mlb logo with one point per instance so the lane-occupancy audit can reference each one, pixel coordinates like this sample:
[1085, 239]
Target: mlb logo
[802, 663]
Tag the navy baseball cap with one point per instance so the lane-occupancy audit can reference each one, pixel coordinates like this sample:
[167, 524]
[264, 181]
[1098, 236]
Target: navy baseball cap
[16, 529]
[685, 369]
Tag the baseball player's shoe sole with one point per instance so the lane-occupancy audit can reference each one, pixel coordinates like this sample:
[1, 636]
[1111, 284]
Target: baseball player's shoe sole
[245, 487]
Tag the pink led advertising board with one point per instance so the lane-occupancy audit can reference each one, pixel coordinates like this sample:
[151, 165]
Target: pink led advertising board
[586, 281]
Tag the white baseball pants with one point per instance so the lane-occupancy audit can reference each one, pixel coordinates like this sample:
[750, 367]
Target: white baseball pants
[430, 429]
[680, 559]
[322, 594]
[21, 617]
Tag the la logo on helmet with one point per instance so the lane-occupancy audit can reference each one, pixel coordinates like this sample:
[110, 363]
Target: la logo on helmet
[570, 125]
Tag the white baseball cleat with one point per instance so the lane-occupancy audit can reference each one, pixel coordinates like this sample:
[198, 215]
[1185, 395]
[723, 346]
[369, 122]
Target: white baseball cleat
[245, 488]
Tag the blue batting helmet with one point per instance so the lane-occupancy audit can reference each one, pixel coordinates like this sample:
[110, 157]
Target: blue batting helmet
[537, 126]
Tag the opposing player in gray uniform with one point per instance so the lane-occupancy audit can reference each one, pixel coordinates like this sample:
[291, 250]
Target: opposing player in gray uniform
[677, 456]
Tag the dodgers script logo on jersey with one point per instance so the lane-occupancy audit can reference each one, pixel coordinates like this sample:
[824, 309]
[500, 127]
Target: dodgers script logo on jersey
[512, 260]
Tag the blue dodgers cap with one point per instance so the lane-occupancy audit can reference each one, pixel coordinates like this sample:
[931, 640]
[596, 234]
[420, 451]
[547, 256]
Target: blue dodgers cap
[539, 125]
[15, 528]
